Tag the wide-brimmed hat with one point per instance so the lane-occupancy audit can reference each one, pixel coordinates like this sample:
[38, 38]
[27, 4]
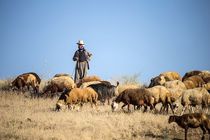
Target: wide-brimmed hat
[80, 42]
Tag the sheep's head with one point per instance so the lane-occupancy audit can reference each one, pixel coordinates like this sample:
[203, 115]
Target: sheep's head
[114, 106]
[172, 119]
[12, 87]
[161, 80]
[175, 106]
[60, 105]
[116, 91]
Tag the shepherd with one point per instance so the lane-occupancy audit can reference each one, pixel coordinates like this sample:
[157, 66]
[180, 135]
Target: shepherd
[81, 56]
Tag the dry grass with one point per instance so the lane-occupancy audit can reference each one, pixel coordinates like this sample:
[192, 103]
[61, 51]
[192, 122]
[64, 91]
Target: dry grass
[22, 117]
[128, 82]
[26, 118]
[5, 84]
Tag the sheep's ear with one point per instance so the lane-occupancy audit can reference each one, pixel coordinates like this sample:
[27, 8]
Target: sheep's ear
[66, 95]
[161, 77]
[117, 83]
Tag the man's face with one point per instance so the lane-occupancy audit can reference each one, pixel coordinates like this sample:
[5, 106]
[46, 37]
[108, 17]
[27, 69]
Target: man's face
[80, 46]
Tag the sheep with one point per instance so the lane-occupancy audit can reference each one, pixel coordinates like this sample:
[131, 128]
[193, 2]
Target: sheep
[193, 82]
[77, 96]
[193, 97]
[58, 84]
[61, 74]
[193, 120]
[88, 79]
[105, 91]
[174, 98]
[207, 86]
[175, 84]
[205, 75]
[28, 80]
[136, 97]
[164, 77]
[161, 95]
[191, 73]
[86, 84]
[175, 88]
[123, 87]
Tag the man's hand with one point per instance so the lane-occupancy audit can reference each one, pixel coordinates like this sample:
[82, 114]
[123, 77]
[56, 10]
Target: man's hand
[90, 54]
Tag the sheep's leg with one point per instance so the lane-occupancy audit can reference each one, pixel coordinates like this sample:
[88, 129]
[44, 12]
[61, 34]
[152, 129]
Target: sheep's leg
[69, 106]
[204, 132]
[95, 103]
[138, 107]
[134, 107]
[155, 109]
[161, 108]
[123, 106]
[108, 101]
[191, 109]
[183, 110]
[208, 128]
[128, 107]
[81, 104]
[171, 108]
[206, 110]
[151, 107]
[96, 106]
[186, 133]
[145, 108]
[166, 108]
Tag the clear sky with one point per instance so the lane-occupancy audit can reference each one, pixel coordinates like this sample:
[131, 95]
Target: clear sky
[125, 36]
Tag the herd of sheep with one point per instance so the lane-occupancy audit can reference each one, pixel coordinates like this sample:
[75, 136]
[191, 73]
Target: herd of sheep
[168, 88]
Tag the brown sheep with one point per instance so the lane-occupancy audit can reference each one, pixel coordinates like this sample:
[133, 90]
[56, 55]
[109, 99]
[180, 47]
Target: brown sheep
[190, 73]
[136, 97]
[28, 80]
[77, 96]
[193, 82]
[61, 74]
[164, 77]
[205, 75]
[207, 86]
[193, 120]
[88, 79]
[193, 97]
[58, 84]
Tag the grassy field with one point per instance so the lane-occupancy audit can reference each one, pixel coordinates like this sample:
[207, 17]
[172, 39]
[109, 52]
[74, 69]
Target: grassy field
[25, 118]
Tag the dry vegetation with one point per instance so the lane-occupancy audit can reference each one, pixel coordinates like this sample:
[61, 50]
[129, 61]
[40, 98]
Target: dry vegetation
[130, 82]
[23, 117]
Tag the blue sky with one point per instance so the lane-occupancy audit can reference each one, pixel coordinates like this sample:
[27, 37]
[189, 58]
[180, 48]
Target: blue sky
[125, 37]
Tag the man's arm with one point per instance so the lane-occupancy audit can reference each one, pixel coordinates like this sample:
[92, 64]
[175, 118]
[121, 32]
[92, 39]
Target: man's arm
[88, 55]
[76, 56]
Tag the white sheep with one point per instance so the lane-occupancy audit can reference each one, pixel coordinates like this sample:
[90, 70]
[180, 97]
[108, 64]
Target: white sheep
[194, 97]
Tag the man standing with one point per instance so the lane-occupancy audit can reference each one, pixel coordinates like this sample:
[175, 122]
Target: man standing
[81, 56]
